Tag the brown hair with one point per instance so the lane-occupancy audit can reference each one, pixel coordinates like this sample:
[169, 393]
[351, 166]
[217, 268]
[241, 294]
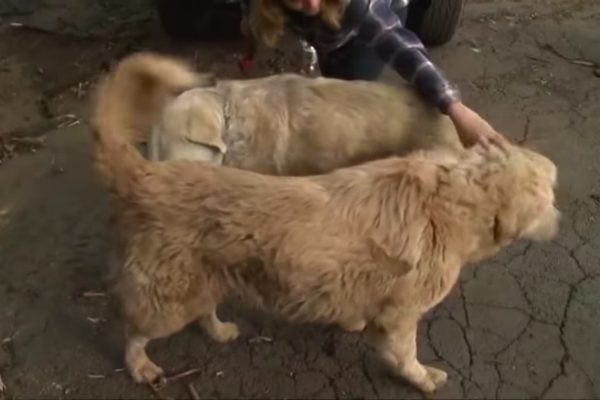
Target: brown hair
[268, 18]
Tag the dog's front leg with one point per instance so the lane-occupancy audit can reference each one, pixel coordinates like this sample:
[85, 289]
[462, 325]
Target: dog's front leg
[398, 347]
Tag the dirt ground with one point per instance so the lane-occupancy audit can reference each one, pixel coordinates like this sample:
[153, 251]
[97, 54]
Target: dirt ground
[525, 324]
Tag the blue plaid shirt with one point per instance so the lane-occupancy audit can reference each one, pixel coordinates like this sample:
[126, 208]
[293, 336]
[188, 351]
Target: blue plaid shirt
[375, 23]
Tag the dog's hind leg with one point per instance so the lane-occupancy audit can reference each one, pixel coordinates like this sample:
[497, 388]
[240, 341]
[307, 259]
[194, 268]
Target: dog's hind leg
[141, 368]
[357, 325]
[217, 329]
[137, 336]
[398, 347]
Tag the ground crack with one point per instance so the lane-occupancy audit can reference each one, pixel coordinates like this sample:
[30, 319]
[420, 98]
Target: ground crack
[525, 136]
[368, 376]
[561, 337]
[464, 378]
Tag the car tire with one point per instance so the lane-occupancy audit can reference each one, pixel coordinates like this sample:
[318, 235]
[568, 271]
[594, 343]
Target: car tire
[435, 21]
[198, 19]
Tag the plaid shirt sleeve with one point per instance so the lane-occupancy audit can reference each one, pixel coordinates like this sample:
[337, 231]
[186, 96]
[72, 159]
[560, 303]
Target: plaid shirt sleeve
[403, 50]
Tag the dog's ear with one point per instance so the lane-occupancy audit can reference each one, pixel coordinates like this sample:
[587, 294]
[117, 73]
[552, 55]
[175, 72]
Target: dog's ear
[505, 227]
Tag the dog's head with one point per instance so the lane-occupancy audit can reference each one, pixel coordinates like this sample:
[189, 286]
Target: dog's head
[514, 195]
[192, 127]
[524, 192]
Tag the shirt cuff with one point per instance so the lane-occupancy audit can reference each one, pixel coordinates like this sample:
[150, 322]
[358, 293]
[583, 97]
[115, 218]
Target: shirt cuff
[447, 97]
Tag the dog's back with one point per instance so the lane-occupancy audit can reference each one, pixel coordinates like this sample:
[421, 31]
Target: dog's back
[293, 125]
[285, 124]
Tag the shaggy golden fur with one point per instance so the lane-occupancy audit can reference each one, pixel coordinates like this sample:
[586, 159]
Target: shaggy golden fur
[282, 125]
[368, 247]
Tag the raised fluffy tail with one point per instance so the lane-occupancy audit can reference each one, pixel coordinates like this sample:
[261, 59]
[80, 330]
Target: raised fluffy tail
[128, 101]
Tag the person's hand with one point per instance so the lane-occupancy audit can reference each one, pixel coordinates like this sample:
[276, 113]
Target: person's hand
[472, 129]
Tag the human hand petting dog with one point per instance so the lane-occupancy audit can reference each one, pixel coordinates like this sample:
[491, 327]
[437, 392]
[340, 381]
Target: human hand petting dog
[472, 129]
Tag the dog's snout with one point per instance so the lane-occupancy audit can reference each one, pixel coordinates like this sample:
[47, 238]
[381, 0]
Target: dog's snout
[546, 227]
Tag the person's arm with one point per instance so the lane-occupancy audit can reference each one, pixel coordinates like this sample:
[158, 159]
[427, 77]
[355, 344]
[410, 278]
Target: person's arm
[405, 52]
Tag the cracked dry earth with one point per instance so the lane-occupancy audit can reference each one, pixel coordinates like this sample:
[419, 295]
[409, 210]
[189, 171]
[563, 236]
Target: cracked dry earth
[525, 324]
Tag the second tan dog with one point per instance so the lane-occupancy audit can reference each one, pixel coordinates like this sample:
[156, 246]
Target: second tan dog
[283, 125]
[370, 247]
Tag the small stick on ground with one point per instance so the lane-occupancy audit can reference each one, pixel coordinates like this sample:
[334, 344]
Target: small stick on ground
[585, 63]
[193, 391]
[260, 339]
[91, 293]
[96, 320]
[184, 374]
[30, 141]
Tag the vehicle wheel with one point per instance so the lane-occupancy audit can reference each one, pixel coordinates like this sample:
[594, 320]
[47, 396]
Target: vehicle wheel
[199, 19]
[435, 21]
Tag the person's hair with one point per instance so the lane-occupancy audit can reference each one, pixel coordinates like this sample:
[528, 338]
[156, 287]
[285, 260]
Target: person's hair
[268, 18]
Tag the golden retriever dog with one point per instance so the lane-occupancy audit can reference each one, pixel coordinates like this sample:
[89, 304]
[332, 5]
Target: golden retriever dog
[283, 125]
[370, 247]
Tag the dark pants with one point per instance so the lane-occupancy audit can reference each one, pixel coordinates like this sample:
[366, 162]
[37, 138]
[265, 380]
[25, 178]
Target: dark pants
[355, 60]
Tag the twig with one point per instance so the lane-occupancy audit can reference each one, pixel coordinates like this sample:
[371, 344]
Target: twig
[47, 31]
[69, 30]
[91, 293]
[193, 391]
[534, 58]
[2, 385]
[31, 141]
[96, 376]
[586, 63]
[525, 136]
[184, 374]
[67, 120]
[96, 320]
[260, 339]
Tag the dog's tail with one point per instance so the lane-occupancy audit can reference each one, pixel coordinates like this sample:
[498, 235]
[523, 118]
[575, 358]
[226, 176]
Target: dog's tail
[127, 102]
[140, 86]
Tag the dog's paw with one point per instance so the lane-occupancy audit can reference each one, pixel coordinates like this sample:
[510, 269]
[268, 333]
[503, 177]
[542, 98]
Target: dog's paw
[226, 332]
[147, 372]
[354, 326]
[436, 378]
